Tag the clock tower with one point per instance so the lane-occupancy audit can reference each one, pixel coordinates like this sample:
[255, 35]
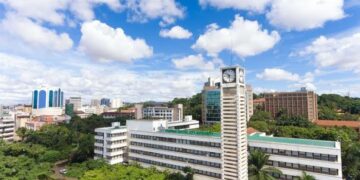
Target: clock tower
[233, 124]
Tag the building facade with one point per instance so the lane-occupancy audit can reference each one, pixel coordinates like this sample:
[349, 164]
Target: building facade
[211, 110]
[292, 156]
[172, 114]
[300, 103]
[47, 102]
[76, 101]
[105, 101]
[116, 103]
[7, 126]
[233, 124]
[249, 102]
[111, 143]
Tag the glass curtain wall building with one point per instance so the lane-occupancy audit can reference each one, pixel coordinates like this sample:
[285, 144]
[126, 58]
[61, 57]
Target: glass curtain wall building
[47, 101]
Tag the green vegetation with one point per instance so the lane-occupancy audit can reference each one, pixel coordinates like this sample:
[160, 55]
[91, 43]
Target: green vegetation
[210, 128]
[336, 107]
[305, 176]
[257, 166]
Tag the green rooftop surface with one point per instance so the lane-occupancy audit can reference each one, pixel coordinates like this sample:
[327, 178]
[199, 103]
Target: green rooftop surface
[310, 142]
[190, 132]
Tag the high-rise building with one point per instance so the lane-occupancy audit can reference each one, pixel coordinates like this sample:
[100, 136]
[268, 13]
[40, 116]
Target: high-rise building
[249, 102]
[233, 124]
[211, 110]
[300, 103]
[105, 101]
[76, 101]
[172, 114]
[47, 101]
[95, 102]
[116, 103]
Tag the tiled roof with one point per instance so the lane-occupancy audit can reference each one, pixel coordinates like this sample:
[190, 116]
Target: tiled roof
[331, 123]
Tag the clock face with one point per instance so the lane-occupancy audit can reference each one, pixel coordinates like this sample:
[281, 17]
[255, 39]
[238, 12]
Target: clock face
[229, 75]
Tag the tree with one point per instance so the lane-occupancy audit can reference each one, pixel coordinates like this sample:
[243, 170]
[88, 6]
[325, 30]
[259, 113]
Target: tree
[189, 173]
[21, 132]
[257, 166]
[261, 116]
[306, 176]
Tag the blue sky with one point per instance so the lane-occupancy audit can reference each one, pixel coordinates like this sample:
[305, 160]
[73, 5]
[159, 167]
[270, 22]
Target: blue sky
[141, 50]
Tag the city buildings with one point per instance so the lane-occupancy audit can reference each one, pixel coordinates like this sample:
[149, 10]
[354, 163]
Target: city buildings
[300, 103]
[95, 102]
[105, 101]
[76, 101]
[334, 123]
[37, 122]
[116, 103]
[124, 113]
[211, 110]
[111, 143]
[233, 124]
[259, 104]
[47, 101]
[7, 126]
[249, 102]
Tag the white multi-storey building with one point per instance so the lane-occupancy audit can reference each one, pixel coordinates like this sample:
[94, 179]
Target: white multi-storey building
[111, 143]
[151, 143]
[233, 124]
[171, 114]
[116, 103]
[249, 102]
[7, 126]
[321, 159]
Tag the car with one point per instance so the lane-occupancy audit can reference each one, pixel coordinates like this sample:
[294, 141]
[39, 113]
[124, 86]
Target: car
[63, 171]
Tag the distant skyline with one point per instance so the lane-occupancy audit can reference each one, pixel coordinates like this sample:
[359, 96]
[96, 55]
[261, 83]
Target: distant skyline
[141, 50]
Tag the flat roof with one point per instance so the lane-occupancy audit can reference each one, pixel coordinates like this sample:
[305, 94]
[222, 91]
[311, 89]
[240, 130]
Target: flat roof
[308, 142]
[191, 132]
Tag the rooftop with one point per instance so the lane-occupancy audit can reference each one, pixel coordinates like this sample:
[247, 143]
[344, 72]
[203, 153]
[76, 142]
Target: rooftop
[308, 142]
[331, 123]
[192, 132]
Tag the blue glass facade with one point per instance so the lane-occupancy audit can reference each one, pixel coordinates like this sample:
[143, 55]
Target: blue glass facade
[35, 99]
[105, 101]
[44, 99]
[212, 102]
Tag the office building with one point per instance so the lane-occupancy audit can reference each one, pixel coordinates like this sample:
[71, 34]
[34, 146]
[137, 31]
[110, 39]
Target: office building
[105, 102]
[233, 124]
[172, 114]
[47, 101]
[211, 110]
[7, 126]
[300, 103]
[116, 103]
[39, 121]
[76, 101]
[111, 143]
[249, 102]
[95, 102]
[292, 156]
[152, 143]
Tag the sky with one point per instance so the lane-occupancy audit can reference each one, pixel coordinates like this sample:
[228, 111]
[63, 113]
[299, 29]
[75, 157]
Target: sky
[140, 50]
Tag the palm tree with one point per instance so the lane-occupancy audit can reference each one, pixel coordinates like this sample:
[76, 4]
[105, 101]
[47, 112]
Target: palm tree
[257, 166]
[306, 176]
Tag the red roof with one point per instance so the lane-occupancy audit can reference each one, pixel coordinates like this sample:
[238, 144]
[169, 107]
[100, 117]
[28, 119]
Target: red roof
[251, 130]
[260, 100]
[331, 123]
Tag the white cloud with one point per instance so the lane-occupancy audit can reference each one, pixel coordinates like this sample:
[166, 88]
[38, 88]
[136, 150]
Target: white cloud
[196, 62]
[142, 10]
[103, 43]
[244, 38]
[83, 9]
[34, 34]
[176, 32]
[341, 53]
[304, 14]
[19, 76]
[252, 5]
[276, 74]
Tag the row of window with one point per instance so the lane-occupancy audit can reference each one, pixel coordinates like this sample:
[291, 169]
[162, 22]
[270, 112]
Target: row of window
[301, 154]
[115, 134]
[115, 149]
[182, 150]
[115, 142]
[177, 158]
[303, 167]
[180, 168]
[174, 140]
